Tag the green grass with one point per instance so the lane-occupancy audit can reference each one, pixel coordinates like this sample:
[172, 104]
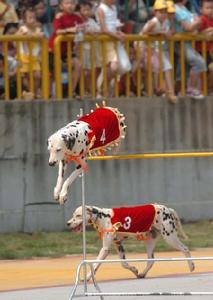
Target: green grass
[56, 244]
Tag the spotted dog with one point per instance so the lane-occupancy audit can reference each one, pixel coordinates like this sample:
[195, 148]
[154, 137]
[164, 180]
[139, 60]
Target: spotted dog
[146, 222]
[100, 130]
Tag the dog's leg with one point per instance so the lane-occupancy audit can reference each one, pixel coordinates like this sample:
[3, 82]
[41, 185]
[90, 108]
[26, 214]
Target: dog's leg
[107, 242]
[67, 183]
[61, 169]
[173, 240]
[121, 253]
[81, 166]
[150, 246]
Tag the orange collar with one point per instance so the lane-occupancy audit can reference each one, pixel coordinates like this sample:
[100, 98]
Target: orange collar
[77, 160]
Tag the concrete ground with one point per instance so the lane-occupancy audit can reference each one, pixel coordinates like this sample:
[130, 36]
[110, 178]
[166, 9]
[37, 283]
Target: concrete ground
[45, 279]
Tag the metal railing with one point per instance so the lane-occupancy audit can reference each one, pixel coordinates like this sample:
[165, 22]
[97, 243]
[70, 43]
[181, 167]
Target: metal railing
[29, 41]
[102, 41]
[130, 39]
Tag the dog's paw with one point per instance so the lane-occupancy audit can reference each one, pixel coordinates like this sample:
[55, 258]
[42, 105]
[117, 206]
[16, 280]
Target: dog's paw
[56, 194]
[141, 275]
[62, 198]
[134, 270]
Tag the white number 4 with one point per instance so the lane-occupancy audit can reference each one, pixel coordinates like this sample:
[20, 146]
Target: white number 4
[103, 136]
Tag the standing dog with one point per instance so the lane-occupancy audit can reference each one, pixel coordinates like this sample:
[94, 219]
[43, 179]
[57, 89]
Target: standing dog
[102, 129]
[146, 222]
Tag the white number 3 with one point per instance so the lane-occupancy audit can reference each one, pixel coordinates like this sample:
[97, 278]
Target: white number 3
[103, 136]
[127, 223]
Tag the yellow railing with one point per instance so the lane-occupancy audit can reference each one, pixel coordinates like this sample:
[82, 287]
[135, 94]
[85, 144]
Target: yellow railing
[102, 39]
[92, 40]
[16, 40]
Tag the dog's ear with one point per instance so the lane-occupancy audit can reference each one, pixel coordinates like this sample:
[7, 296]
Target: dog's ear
[69, 141]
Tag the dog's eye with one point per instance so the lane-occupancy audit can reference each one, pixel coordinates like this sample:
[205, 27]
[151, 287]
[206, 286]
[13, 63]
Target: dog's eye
[58, 150]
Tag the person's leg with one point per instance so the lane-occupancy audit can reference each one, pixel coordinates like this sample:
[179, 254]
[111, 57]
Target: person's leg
[37, 83]
[76, 73]
[198, 65]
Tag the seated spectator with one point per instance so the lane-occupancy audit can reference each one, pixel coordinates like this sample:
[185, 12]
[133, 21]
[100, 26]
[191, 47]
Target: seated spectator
[12, 65]
[185, 21]
[7, 14]
[67, 21]
[85, 10]
[31, 60]
[159, 25]
[206, 27]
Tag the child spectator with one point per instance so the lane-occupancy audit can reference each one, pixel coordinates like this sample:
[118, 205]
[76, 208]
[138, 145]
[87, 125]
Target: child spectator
[30, 27]
[206, 27]
[108, 21]
[7, 14]
[67, 21]
[159, 25]
[85, 10]
[186, 22]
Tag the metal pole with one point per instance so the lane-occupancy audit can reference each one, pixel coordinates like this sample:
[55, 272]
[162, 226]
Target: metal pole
[84, 222]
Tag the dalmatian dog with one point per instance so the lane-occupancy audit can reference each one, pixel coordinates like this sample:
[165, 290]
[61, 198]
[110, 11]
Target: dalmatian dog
[100, 130]
[145, 222]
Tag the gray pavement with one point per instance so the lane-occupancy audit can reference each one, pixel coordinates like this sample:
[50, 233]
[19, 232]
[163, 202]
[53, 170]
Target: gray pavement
[187, 283]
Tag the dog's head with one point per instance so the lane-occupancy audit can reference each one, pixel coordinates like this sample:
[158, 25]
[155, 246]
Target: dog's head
[58, 144]
[76, 222]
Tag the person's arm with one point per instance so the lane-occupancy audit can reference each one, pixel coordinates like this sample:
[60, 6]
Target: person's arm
[191, 26]
[149, 27]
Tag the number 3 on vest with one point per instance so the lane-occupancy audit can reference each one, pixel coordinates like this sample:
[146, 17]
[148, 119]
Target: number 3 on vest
[127, 223]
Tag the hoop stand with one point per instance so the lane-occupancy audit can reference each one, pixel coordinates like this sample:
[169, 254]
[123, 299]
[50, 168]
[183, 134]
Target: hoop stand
[82, 264]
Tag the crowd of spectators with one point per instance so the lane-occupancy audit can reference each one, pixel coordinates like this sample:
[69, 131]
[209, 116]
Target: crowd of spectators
[116, 18]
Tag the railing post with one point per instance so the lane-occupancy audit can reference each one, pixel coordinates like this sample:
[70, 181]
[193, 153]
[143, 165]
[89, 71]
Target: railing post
[57, 67]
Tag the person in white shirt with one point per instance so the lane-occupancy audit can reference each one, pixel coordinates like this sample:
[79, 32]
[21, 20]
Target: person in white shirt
[107, 18]
[91, 27]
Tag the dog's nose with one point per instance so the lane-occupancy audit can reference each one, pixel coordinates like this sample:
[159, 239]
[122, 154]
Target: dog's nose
[52, 163]
[68, 223]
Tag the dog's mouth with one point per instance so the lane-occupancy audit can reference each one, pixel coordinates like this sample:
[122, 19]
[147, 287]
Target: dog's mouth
[78, 228]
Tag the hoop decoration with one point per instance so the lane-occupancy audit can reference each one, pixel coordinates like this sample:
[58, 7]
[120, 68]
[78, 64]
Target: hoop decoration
[107, 129]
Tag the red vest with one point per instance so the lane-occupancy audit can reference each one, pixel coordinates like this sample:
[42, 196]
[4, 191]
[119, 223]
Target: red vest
[105, 126]
[134, 219]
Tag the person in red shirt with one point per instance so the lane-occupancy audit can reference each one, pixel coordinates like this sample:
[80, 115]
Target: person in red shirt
[206, 27]
[67, 21]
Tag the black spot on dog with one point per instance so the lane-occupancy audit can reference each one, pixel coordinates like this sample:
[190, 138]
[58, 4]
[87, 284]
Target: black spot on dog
[69, 141]
[78, 167]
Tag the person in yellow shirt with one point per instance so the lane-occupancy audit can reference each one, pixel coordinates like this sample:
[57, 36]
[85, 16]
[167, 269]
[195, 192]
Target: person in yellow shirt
[7, 14]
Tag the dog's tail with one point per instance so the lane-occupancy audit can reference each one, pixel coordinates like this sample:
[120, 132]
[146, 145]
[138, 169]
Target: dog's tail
[178, 223]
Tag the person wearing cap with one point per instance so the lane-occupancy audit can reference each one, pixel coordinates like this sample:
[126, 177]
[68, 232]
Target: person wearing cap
[171, 14]
[185, 21]
[159, 25]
